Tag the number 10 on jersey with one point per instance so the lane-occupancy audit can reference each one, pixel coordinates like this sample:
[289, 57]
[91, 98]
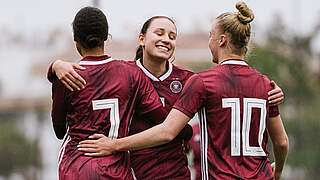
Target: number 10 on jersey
[248, 104]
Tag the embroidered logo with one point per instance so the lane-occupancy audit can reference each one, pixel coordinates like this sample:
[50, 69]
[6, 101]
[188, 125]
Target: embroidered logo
[175, 86]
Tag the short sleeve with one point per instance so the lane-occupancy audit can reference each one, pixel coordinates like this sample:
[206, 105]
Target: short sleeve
[192, 96]
[273, 111]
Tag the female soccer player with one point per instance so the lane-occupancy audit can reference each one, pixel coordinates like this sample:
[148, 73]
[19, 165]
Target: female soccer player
[113, 91]
[157, 43]
[235, 117]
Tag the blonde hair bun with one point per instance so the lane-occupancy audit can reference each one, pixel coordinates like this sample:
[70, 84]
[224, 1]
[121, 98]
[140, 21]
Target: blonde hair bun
[245, 15]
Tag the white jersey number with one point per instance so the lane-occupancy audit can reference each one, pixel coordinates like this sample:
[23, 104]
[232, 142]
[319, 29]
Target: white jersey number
[248, 104]
[163, 101]
[113, 105]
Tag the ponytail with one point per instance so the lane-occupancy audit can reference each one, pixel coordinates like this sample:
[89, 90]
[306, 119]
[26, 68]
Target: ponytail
[139, 53]
[92, 41]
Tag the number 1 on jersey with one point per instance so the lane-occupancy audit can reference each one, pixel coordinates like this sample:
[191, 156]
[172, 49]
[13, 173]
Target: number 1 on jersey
[113, 105]
[248, 104]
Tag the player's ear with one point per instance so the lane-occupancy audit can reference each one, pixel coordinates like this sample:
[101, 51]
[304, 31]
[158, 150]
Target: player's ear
[222, 40]
[141, 40]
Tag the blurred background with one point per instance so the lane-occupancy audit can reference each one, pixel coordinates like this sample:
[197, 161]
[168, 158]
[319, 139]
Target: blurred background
[285, 46]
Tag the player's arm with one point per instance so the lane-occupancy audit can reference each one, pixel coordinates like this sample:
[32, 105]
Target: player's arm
[280, 143]
[59, 109]
[162, 133]
[158, 116]
[98, 143]
[276, 95]
[157, 135]
[65, 72]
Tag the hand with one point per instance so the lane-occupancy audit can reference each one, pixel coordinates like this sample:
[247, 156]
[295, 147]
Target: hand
[185, 146]
[273, 166]
[276, 95]
[68, 76]
[277, 175]
[98, 145]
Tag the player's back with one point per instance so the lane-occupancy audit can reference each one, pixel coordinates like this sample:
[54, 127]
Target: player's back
[105, 106]
[107, 101]
[233, 122]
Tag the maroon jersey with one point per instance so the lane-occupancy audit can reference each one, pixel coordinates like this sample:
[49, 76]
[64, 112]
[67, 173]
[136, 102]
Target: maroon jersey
[114, 89]
[194, 144]
[167, 161]
[232, 99]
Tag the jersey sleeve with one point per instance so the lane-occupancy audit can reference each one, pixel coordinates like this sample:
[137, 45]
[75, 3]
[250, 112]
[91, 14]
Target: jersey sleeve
[50, 74]
[192, 96]
[186, 133]
[156, 116]
[59, 108]
[274, 111]
[159, 114]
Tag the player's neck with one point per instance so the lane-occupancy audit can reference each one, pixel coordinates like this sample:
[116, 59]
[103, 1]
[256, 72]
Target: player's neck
[157, 68]
[226, 53]
[228, 57]
[99, 51]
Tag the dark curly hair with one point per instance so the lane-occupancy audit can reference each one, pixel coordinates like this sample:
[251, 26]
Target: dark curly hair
[90, 27]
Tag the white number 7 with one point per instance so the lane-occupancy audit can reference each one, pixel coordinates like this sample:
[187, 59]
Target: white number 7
[248, 104]
[113, 105]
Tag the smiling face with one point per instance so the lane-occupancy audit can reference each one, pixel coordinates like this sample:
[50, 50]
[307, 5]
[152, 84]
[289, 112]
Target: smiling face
[159, 41]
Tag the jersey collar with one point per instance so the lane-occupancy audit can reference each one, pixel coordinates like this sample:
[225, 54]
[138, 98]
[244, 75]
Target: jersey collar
[236, 62]
[153, 77]
[92, 60]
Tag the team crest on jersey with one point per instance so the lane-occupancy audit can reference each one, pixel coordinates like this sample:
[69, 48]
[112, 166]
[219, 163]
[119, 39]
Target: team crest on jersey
[175, 86]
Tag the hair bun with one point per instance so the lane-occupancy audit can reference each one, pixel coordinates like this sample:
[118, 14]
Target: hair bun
[92, 41]
[245, 15]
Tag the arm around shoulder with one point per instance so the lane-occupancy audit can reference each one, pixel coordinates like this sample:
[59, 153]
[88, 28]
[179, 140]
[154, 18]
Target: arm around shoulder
[157, 135]
[65, 72]
[154, 136]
